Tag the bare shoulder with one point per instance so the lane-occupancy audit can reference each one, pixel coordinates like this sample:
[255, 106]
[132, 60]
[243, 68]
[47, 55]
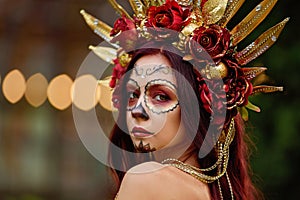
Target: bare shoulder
[152, 180]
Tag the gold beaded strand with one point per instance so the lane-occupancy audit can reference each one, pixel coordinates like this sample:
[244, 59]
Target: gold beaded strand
[222, 147]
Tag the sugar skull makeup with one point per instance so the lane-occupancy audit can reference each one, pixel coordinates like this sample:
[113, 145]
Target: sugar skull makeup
[159, 95]
[153, 109]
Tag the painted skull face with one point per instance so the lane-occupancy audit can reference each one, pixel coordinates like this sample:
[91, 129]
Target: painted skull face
[153, 111]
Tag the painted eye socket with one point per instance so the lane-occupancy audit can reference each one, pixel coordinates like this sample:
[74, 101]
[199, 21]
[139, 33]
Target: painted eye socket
[132, 94]
[132, 97]
[161, 96]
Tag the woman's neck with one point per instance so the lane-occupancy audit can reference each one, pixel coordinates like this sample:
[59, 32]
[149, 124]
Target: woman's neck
[190, 157]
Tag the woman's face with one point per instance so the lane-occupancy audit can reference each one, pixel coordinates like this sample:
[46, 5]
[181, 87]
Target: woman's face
[153, 111]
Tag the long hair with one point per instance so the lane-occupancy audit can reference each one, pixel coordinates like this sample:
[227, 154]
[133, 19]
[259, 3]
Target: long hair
[238, 167]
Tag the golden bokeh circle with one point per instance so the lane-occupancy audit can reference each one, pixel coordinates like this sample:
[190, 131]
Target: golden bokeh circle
[14, 86]
[59, 91]
[36, 90]
[85, 92]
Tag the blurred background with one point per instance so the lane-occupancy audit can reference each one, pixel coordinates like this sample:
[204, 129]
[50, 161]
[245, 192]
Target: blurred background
[44, 42]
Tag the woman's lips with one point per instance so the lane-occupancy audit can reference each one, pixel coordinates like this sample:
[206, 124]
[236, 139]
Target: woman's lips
[140, 132]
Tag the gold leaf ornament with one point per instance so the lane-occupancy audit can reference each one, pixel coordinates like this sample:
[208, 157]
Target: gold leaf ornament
[213, 11]
[244, 113]
[185, 2]
[188, 30]
[105, 53]
[196, 3]
[253, 107]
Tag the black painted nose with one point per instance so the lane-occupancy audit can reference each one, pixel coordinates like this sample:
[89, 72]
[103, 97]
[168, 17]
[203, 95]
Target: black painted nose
[139, 112]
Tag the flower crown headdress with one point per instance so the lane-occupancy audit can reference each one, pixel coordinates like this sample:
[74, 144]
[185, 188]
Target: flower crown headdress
[200, 21]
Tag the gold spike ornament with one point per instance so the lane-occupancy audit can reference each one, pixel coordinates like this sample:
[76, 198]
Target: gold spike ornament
[120, 10]
[99, 27]
[266, 89]
[147, 3]
[232, 7]
[138, 7]
[251, 21]
[252, 72]
[261, 44]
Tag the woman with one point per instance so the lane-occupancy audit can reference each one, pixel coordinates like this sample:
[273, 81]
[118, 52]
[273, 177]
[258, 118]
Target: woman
[140, 120]
[181, 92]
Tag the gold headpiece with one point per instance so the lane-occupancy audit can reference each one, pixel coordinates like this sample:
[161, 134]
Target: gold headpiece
[200, 21]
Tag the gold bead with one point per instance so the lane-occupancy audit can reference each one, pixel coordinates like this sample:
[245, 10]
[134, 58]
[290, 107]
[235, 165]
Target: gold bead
[218, 71]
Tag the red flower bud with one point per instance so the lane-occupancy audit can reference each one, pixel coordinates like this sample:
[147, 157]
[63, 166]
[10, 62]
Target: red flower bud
[122, 24]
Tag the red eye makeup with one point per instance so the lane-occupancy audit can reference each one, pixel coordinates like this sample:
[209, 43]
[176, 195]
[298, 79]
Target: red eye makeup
[161, 96]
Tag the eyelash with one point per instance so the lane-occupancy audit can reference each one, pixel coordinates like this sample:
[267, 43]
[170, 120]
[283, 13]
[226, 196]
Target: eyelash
[157, 97]
[132, 94]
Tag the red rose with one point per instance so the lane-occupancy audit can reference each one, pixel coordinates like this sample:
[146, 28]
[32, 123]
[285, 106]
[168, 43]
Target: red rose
[215, 41]
[127, 33]
[238, 90]
[238, 87]
[117, 73]
[122, 24]
[170, 16]
[234, 70]
[205, 97]
[212, 95]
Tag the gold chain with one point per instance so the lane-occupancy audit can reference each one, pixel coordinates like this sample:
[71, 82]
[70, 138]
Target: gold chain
[222, 147]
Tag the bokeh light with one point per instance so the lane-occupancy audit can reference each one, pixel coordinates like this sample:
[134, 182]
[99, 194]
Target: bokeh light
[14, 86]
[85, 91]
[59, 92]
[36, 90]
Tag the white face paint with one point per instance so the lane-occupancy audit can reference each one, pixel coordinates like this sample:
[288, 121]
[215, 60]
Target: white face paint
[153, 111]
